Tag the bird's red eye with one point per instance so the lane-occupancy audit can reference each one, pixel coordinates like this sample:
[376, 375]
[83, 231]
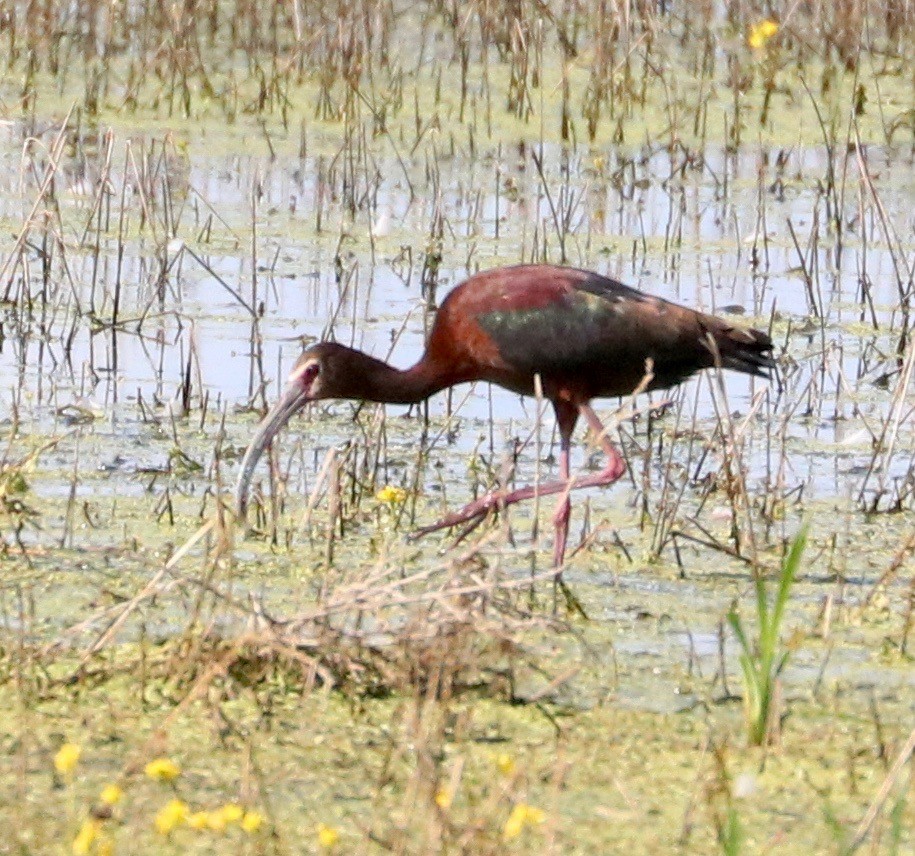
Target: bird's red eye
[305, 374]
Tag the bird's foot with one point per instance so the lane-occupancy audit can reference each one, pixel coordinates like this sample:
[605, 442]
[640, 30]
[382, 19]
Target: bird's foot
[477, 510]
[473, 512]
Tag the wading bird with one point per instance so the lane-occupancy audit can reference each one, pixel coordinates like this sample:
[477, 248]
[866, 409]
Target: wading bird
[585, 335]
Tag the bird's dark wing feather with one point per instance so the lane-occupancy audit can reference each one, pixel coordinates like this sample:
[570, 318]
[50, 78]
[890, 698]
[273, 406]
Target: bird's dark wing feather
[600, 333]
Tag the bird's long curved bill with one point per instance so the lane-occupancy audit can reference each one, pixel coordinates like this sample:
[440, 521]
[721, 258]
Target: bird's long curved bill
[292, 399]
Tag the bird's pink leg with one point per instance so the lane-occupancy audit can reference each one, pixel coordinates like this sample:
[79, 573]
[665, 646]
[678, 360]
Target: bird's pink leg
[566, 417]
[499, 499]
[563, 511]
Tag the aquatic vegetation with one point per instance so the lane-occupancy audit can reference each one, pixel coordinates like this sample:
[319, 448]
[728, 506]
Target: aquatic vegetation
[762, 656]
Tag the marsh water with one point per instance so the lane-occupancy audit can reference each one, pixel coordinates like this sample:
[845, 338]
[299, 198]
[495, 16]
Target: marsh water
[647, 217]
[244, 233]
[250, 230]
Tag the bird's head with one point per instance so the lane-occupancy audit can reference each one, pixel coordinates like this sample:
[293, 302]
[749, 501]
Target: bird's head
[322, 371]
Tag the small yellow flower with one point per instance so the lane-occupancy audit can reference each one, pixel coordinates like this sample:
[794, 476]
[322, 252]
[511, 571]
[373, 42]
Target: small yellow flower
[198, 820]
[163, 769]
[67, 758]
[111, 795]
[328, 836]
[85, 838]
[391, 495]
[760, 34]
[444, 798]
[252, 822]
[232, 813]
[171, 816]
[216, 821]
[505, 764]
[522, 815]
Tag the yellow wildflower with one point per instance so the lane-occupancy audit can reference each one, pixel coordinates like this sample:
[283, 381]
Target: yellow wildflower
[67, 758]
[391, 495]
[522, 815]
[171, 816]
[328, 836]
[111, 795]
[216, 821]
[198, 820]
[163, 769]
[443, 798]
[505, 764]
[85, 838]
[252, 822]
[760, 33]
[232, 813]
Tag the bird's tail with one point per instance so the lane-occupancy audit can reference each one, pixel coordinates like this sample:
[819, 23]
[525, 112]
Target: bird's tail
[741, 349]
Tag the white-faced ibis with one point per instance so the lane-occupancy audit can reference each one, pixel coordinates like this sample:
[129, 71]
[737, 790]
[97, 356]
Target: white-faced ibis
[585, 335]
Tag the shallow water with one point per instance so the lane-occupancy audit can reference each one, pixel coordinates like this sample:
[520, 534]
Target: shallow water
[681, 238]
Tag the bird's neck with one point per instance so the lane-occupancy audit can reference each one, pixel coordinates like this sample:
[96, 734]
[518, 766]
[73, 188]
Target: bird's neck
[375, 380]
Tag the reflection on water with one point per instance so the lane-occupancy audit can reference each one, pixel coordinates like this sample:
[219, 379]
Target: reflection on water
[177, 267]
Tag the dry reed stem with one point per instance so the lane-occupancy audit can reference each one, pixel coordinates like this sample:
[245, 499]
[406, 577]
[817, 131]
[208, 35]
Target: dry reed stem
[54, 155]
[867, 822]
